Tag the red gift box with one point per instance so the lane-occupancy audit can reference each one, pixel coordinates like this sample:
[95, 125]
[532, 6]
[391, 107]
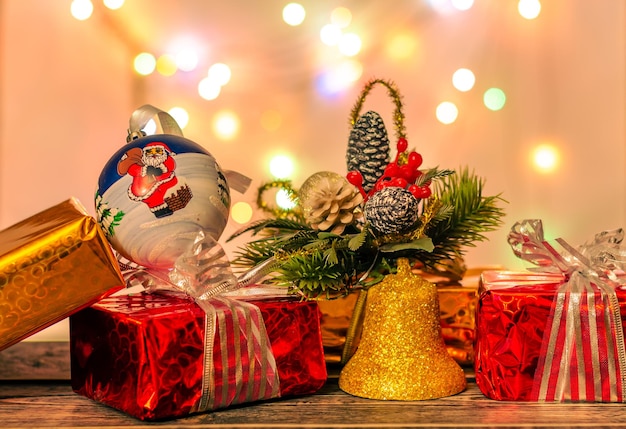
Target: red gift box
[514, 358]
[552, 336]
[147, 354]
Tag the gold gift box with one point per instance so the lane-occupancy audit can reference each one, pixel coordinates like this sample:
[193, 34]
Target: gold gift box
[52, 265]
[457, 306]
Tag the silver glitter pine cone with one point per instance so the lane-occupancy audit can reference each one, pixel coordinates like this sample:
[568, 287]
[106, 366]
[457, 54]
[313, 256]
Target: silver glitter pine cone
[391, 210]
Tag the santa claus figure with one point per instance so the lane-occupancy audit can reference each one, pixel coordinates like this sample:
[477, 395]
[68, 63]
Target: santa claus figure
[152, 169]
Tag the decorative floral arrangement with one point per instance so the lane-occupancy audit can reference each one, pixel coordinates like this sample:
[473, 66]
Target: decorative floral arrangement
[347, 232]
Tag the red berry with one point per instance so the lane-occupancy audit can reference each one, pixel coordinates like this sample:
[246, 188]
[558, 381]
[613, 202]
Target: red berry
[424, 192]
[355, 178]
[392, 170]
[402, 144]
[399, 182]
[415, 176]
[415, 160]
[413, 189]
[420, 191]
[406, 172]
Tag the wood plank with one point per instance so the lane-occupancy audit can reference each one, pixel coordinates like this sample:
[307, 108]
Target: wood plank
[35, 360]
[35, 391]
[53, 404]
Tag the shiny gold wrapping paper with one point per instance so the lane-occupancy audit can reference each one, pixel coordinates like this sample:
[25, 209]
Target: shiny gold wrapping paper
[52, 265]
[457, 305]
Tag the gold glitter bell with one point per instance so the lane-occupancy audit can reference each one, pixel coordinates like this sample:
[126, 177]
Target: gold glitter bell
[401, 354]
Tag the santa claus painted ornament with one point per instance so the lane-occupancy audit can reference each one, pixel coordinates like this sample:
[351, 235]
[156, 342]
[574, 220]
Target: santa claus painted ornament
[158, 192]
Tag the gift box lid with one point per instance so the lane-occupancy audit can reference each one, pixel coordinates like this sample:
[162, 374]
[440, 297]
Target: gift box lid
[502, 279]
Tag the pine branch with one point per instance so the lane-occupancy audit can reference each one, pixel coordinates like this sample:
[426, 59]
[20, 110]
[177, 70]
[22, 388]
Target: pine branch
[279, 225]
[317, 274]
[468, 218]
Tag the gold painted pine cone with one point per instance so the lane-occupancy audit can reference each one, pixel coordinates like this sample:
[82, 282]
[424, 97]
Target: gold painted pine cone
[329, 202]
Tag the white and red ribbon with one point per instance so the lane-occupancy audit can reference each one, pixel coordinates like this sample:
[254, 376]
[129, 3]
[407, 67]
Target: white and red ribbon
[583, 356]
[248, 368]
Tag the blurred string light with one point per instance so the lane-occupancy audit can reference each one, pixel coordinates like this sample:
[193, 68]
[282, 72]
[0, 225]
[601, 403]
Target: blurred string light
[113, 4]
[220, 73]
[463, 79]
[529, 9]
[210, 87]
[494, 99]
[462, 4]
[180, 115]
[294, 14]
[145, 63]
[450, 6]
[330, 34]
[166, 65]
[226, 124]
[241, 212]
[447, 112]
[334, 80]
[545, 158]
[187, 59]
[349, 44]
[284, 199]
[81, 9]
[281, 166]
[440, 6]
[341, 17]
[402, 46]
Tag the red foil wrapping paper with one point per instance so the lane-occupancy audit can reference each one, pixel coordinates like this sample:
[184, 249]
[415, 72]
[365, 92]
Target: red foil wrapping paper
[51, 265]
[144, 354]
[514, 309]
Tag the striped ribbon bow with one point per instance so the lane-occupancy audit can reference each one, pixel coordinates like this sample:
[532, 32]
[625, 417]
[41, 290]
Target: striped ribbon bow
[582, 356]
[246, 369]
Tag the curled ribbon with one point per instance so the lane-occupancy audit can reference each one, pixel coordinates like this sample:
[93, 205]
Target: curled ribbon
[203, 273]
[583, 355]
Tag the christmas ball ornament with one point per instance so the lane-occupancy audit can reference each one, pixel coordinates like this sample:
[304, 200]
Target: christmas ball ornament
[368, 148]
[392, 210]
[329, 202]
[157, 193]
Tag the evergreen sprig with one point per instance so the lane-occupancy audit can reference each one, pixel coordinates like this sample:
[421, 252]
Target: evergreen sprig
[322, 264]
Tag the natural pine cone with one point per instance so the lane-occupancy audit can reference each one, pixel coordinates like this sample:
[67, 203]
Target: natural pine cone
[368, 148]
[329, 202]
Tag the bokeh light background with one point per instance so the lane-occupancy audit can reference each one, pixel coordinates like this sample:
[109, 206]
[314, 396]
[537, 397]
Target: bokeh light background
[529, 94]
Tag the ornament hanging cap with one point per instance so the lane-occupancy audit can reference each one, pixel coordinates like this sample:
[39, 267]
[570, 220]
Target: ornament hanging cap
[165, 123]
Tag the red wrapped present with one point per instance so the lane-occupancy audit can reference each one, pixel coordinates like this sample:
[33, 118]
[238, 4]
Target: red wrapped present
[557, 334]
[52, 264]
[158, 356]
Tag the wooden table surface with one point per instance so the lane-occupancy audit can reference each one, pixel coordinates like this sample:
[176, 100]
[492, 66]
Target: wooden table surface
[49, 401]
